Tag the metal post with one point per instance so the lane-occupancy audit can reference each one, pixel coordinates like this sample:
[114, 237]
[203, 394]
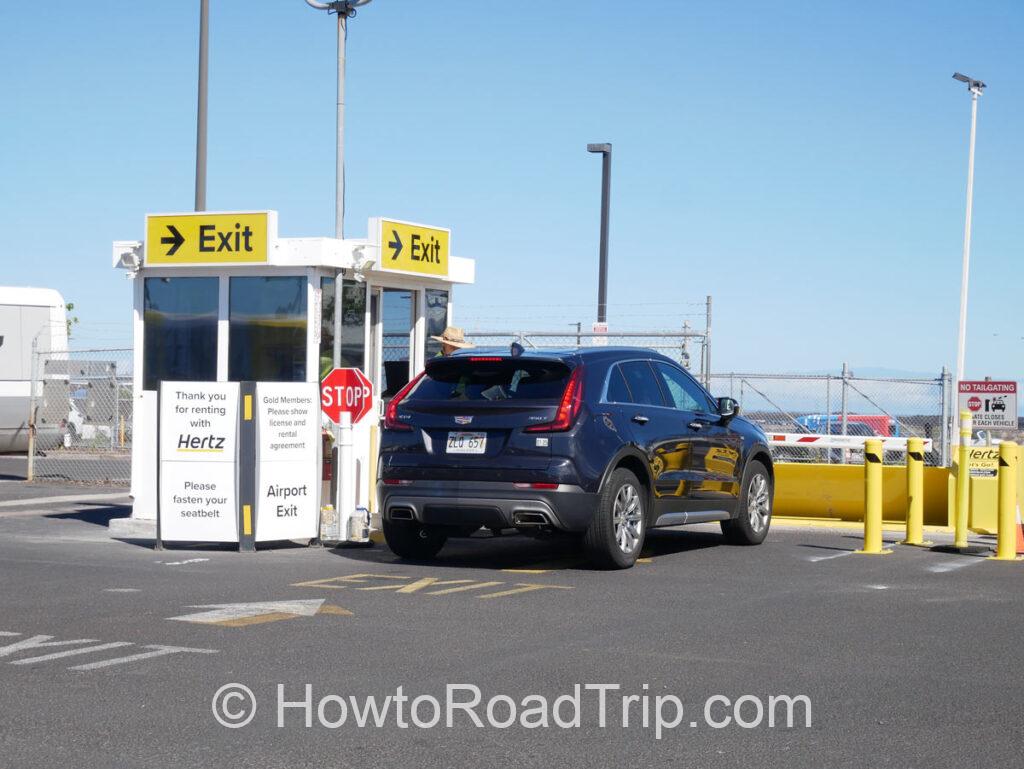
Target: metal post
[606, 188]
[339, 170]
[961, 340]
[944, 406]
[204, 30]
[873, 498]
[346, 502]
[915, 492]
[686, 346]
[845, 398]
[963, 482]
[707, 347]
[30, 472]
[828, 415]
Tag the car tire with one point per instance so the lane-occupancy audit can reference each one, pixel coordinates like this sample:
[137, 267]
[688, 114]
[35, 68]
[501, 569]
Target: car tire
[754, 511]
[414, 541]
[616, 534]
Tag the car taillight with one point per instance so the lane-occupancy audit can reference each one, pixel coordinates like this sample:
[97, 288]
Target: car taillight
[391, 412]
[545, 486]
[568, 408]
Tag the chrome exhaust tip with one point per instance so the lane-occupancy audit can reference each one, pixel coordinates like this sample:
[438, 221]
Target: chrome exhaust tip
[526, 518]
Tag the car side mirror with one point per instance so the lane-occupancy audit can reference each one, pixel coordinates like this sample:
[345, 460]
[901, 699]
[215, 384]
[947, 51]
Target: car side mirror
[728, 407]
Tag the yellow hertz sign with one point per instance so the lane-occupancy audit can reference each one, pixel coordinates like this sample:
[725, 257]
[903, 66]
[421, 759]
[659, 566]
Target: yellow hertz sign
[207, 238]
[413, 248]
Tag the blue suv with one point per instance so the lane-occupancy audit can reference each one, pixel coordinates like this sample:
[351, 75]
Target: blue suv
[601, 442]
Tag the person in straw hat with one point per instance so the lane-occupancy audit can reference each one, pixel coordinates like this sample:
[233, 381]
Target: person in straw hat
[451, 340]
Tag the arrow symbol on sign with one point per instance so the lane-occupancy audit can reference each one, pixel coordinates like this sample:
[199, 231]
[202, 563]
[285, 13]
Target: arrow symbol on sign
[174, 241]
[254, 613]
[395, 244]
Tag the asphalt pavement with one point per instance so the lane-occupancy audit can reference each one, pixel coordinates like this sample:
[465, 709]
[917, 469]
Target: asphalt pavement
[111, 652]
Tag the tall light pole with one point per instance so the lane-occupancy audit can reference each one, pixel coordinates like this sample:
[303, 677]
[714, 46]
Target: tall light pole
[606, 188]
[975, 87]
[204, 45]
[345, 9]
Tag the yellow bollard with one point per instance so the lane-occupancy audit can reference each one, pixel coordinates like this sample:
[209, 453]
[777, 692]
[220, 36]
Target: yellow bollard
[915, 493]
[963, 481]
[1006, 545]
[873, 499]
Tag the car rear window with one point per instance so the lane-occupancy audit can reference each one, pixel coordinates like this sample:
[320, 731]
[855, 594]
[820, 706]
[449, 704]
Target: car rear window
[491, 380]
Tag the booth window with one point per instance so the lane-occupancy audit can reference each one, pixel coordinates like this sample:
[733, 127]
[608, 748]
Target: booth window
[437, 320]
[179, 331]
[268, 329]
[326, 326]
[353, 325]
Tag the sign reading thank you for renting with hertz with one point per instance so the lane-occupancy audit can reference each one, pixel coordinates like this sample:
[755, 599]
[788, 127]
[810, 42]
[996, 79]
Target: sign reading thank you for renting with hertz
[198, 450]
[204, 238]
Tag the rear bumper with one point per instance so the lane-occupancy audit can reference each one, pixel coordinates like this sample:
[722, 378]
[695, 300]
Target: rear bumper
[487, 503]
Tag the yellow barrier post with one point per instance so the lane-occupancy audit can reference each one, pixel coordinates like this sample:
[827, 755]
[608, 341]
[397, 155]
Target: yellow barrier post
[915, 493]
[963, 481]
[873, 499]
[1006, 544]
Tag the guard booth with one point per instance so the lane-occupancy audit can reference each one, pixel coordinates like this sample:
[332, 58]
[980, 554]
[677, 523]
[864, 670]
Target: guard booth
[220, 297]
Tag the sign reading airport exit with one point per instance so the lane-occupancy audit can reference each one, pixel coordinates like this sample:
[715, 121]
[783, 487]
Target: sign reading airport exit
[210, 238]
[408, 247]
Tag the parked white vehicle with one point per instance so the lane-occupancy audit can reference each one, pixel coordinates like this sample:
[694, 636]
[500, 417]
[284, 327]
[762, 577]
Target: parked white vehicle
[30, 318]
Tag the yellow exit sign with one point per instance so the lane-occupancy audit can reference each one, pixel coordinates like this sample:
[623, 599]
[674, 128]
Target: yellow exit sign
[408, 247]
[205, 238]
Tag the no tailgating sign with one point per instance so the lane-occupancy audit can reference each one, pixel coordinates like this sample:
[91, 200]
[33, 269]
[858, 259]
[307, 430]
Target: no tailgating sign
[991, 404]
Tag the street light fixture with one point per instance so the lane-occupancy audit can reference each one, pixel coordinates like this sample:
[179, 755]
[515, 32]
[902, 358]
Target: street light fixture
[605, 150]
[975, 87]
[345, 9]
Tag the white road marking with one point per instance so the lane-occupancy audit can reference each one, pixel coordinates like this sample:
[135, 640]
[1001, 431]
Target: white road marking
[40, 642]
[121, 590]
[65, 498]
[952, 565]
[224, 612]
[183, 563]
[816, 558]
[159, 651]
[8, 633]
[71, 653]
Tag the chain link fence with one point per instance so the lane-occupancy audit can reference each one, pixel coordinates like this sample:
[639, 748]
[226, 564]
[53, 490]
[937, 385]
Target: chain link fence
[81, 413]
[690, 348]
[845, 405]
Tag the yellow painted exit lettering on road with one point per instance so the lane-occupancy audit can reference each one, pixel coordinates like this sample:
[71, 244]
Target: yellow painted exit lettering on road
[413, 247]
[202, 238]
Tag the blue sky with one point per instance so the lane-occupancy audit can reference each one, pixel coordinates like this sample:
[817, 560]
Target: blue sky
[803, 162]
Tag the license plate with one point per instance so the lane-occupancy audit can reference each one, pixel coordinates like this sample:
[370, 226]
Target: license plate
[467, 443]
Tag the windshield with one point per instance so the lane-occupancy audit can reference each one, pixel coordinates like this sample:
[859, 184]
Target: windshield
[471, 379]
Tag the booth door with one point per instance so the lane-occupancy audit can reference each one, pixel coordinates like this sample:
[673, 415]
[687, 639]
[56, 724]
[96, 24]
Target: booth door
[393, 320]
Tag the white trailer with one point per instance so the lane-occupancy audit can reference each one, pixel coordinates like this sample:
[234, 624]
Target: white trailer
[31, 319]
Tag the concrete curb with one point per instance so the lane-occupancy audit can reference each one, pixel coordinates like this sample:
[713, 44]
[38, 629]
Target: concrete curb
[132, 528]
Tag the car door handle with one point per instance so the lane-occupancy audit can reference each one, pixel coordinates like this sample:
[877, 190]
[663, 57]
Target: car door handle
[696, 424]
[640, 419]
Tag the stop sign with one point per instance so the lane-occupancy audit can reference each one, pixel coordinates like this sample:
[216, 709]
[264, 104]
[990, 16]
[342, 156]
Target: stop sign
[974, 403]
[346, 390]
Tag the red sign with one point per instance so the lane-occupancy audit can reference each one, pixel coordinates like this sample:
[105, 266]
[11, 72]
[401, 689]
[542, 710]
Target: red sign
[974, 403]
[346, 390]
[988, 386]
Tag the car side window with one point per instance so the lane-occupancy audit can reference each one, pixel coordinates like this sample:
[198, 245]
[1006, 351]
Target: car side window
[685, 395]
[642, 385]
[618, 390]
